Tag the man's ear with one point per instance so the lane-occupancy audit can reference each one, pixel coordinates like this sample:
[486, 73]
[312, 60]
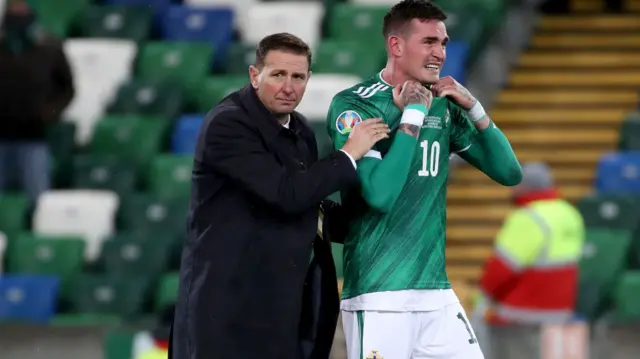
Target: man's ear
[254, 76]
[395, 45]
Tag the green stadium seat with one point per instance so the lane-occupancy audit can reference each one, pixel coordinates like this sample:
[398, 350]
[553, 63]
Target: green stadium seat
[167, 293]
[348, 57]
[182, 63]
[170, 176]
[148, 98]
[338, 259]
[108, 296]
[604, 259]
[14, 209]
[325, 145]
[126, 254]
[215, 88]
[627, 292]
[118, 344]
[61, 256]
[130, 138]
[610, 211]
[118, 22]
[59, 16]
[61, 140]
[239, 57]
[100, 172]
[630, 133]
[146, 214]
[360, 23]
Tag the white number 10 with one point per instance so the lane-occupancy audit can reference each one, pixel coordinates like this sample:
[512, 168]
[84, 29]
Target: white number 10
[430, 167]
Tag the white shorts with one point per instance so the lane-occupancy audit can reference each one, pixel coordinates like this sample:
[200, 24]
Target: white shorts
[439, 334]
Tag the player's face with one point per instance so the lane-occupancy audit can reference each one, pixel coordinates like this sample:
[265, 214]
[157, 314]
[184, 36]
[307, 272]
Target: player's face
[281, 82]
[424, 50]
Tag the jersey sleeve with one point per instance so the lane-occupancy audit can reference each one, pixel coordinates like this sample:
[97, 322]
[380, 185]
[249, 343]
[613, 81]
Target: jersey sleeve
[462, 131]
[344, 113]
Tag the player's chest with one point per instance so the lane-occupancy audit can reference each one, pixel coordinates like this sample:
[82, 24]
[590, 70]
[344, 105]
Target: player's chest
[436, 129]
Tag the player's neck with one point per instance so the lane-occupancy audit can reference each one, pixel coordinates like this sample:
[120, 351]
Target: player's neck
[393, 75]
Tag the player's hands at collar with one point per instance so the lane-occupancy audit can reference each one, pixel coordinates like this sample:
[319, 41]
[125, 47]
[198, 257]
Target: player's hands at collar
[458, 94]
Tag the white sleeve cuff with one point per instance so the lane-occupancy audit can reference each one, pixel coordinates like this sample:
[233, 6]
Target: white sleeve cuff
[350, 158]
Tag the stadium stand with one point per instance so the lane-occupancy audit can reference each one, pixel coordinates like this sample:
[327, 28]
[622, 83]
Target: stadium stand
[146, 71]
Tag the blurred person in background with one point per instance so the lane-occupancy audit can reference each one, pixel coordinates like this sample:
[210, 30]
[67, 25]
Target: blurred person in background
[532, 276]
[35, 87]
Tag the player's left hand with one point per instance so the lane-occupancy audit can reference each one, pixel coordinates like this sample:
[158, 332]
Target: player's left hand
[449, 87]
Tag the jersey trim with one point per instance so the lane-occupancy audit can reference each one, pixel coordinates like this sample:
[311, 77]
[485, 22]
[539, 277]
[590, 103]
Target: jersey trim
[464, 149]
[367, 92]
[382, 80]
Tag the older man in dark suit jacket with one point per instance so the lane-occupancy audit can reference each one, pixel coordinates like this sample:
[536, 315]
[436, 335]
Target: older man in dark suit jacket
[246, 286]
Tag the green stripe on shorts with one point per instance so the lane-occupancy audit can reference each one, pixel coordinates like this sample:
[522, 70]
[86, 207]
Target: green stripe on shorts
[360, 316]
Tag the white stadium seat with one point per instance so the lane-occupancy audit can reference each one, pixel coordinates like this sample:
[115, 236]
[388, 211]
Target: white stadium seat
[304, 19]
[3, 249]
[87, 213]
[320, 92]
[99, 67]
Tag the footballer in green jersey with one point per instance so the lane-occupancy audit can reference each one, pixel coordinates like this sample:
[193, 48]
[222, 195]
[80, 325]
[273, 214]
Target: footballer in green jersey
[394, 253]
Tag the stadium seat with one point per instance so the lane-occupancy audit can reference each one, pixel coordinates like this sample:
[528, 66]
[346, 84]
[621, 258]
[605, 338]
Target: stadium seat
[285, 16]
[126, 255]
[320, 91]
[185, 134]
[238, 58]
[3, 249]
[630, 133]
[159, 6]
[118, 22]
[627, 292]
[240, 9]
[170, 176]
[49, 255]
[61, 140]
[148, 98]
[145, 214]
[182, 63]
[348, 57]
[118, 344]
[14, 209]
[215, 88]
[210, 25]
[99, 67]
[364, 24]
[167, 292]
[456, 63]
[104, 173]
[108, 295]
[129, 138]
[604, 259]
[28, 298]
[610, 211]
[86, 213]
[59, 16]
[619, 173]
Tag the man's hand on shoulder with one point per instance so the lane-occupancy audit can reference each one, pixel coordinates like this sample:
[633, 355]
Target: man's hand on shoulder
[364, 136]
[458, 94]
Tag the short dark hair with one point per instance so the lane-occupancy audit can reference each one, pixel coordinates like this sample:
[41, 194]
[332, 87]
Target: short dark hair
[401, 14]
[282, 41]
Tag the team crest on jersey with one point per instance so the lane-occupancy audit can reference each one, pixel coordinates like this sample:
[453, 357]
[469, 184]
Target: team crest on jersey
[346, 121]
[374, 355]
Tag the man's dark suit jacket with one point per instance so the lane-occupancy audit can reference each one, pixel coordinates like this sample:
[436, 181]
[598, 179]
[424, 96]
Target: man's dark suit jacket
[253, 220]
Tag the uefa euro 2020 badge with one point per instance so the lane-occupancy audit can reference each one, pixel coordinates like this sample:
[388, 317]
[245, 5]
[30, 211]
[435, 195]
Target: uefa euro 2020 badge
[374, 355]
[346, 121]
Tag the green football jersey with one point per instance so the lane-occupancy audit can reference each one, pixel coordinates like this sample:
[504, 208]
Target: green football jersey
[404, 248]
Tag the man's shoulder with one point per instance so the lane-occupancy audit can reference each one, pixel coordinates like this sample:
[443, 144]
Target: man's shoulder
[366, 91]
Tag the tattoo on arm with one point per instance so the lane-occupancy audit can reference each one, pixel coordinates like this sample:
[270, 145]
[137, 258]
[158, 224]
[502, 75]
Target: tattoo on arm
[466, 93]
[409, 129]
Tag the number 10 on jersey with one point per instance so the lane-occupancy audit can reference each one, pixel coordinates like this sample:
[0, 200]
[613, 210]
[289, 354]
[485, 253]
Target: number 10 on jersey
[430, 159]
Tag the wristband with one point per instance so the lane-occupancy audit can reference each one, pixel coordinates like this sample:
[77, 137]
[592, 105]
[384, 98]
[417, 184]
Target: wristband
[476, 112]
[414, 114]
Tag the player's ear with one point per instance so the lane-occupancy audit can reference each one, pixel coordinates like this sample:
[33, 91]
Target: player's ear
[254, 76]
[395, 45]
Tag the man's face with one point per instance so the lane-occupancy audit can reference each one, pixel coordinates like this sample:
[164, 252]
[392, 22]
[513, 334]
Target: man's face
[281, 82]
[422, 50]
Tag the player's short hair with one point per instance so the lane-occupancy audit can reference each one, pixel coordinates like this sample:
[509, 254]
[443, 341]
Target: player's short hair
[282, 41]
[400, 15]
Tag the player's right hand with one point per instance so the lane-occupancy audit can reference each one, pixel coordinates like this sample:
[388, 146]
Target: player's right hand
[412, 93]
[364, 135]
